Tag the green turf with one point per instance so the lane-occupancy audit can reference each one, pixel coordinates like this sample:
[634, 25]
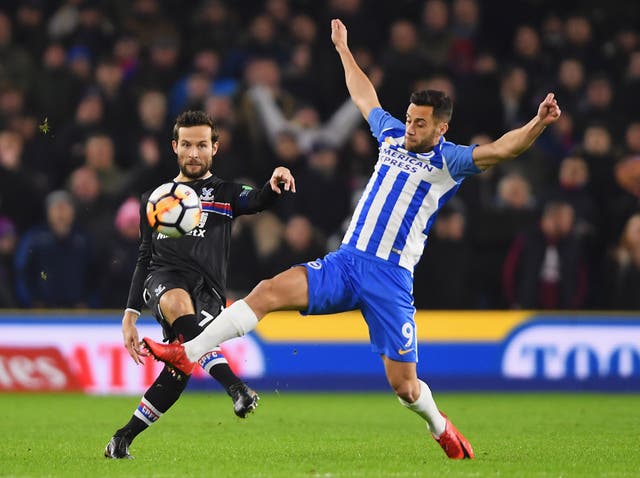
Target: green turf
[324, 435]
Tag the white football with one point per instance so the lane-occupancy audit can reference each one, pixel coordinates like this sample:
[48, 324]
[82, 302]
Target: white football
[174, 209]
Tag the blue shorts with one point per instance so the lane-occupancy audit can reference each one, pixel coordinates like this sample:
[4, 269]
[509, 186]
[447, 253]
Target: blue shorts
[349, 279]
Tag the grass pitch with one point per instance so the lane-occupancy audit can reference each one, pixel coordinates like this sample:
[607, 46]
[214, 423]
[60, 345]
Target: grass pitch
[324, 435]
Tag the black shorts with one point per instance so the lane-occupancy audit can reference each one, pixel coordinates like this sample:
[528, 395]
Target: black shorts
[206, 301]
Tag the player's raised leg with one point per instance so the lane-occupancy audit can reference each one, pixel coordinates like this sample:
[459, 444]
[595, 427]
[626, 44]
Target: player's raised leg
[415, 394]
[286, 291]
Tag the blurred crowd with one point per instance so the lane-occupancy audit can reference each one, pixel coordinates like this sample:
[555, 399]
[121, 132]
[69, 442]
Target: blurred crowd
[89, 91]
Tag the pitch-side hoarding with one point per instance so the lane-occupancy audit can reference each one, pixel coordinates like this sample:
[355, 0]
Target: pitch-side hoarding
[457, 350]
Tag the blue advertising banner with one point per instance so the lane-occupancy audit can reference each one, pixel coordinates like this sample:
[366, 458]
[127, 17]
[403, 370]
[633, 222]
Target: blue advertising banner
[457, 351]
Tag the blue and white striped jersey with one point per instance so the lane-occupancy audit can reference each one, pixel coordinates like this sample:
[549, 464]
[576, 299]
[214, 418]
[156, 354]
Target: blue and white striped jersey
[405, 192]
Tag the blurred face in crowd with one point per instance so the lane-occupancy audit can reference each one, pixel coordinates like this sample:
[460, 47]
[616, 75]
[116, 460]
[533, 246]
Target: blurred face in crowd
[99, 152]
[195, 150]
[11, 147]
[84, 185]
[435, 15]
[527, 41]
[152, 109]
[632, 137]
[299, 233]
[631, 234]
[514, 191]
[571, 74]
[557, 221]
[574, 173]
[403, 36]
[60, 216]
[597, 140]
[423, 130]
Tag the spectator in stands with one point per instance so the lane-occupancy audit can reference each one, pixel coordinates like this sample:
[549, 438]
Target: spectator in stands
[20, 197]
[305, 123]
[570, 83]
[119, 255]
[150, 122]
[513, 97]
[443, 278]
[109, 80]
[93, 210]
[29, 29]
[74, 67]
[622, 269]
[17, 64]
[8, 241]
[598, 151]
[572, 187]
[491, 232]
[434, 33]
[100, 153]
[301, 243]
[55, 91]
[529, 55]
[93, 29]
[80, 65]
[69, 141]
[206, 68]
[598, 105]
[322, 190]
[629, 91]
[545, 268]
[54, 260]
[213, 25]
[161, 68]
[266, 73]
[465, 26]
[579, 40]
[402, 62]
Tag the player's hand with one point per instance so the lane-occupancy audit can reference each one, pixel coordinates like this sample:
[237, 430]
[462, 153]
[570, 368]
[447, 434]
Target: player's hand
[131, 337]
[338, 33]
[549, 111]
[284, 176]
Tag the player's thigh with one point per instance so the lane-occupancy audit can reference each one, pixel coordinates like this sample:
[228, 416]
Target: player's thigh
[387, 306]
[175, 303]
[166, 294]
[286, 291]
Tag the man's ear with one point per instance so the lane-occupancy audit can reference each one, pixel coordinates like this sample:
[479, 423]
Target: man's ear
[214, 148]
[174, 145]
[444, 127]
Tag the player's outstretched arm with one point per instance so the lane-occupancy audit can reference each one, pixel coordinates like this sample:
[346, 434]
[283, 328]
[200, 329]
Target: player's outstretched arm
[360, 87]
[517, 141]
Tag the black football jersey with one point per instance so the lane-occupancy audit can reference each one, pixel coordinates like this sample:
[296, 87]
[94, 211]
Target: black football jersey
[205, 250]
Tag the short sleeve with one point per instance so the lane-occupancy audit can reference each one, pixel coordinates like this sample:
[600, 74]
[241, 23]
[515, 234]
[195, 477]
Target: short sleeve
[384, 125]
[459, 160]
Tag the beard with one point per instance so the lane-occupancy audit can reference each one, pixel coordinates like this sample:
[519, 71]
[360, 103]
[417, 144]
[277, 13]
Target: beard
[424, 146]
[193, 172]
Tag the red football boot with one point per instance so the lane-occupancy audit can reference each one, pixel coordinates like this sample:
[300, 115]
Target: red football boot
[454, 444]
[172, 354]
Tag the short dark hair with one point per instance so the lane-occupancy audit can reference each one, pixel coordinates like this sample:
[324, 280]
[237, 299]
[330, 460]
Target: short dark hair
[441, 103]
[195, 118]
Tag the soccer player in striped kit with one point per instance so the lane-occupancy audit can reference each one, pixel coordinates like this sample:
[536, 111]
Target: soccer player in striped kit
[416, 173]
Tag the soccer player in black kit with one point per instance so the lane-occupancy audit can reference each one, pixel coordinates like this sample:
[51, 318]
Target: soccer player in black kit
[182, 280]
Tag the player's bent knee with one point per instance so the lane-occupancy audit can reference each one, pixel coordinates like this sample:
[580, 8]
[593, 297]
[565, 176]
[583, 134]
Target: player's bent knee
[406, 391]
[175, 303]
[264, 293]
